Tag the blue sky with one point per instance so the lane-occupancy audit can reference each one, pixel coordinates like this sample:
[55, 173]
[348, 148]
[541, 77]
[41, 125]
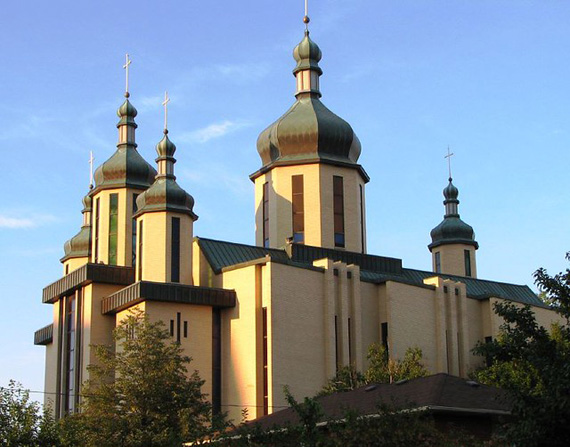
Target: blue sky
[489, 78]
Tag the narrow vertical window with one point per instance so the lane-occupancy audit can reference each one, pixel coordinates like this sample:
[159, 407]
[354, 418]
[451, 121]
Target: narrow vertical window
[216, 361]
[265, 362]
[336, 342]
[67, 269]
[338, 206]
[97, 215]
[298, 209]
[349, 344]
[113, 227]
[134, 231]
[185, 329]
[437, 262]
[175, 250]
[488, 359]
[70, 354]
[467, 256]
[362, 235]
[385, 337]
[266, 215]
[172, 328]
[178, 327]
[140, 251]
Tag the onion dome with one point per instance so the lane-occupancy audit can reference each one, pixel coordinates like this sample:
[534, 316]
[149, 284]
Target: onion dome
[126, 167]
[165, 194]
[308, 132]
[79, 246]
[452, 230]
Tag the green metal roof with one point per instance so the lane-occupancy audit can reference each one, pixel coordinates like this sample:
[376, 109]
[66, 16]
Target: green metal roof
[374, 269]
[221, 254]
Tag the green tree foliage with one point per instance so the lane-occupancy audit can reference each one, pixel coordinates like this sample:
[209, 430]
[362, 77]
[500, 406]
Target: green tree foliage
[381, 369]
[533, 364]
[151, 401]
[21, 422]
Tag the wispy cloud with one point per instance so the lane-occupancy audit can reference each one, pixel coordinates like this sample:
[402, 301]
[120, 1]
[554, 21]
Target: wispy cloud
[212, 131]
[227, 179]
[18, 222]
[146, 103]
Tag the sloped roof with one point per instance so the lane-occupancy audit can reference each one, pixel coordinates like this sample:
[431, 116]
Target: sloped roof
[374, 269]
[437, 393]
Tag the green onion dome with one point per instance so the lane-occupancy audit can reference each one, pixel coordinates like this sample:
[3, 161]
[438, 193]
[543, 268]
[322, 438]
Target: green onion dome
[79, 246]
[165, 194]
[308, 132]
[126, 167]
[452, 230]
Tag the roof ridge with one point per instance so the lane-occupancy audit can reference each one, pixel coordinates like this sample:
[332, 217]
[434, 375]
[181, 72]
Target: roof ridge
[469, 278]
[199, 238]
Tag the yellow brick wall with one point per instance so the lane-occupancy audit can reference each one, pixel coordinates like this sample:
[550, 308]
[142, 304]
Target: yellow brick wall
[318, 205]
[239, 348]
[297, 331]
[453, 260]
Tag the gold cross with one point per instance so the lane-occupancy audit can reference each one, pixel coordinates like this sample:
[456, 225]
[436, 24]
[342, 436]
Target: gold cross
[448, 156]
[91, 159]
[165, 104]
[126, 67]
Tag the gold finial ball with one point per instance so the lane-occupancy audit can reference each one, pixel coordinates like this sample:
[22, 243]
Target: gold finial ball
[127, 94]
[306, 19]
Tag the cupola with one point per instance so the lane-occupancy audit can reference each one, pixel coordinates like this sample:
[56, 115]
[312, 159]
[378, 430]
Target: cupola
[308, 132]
[79, 246]
[126, 167]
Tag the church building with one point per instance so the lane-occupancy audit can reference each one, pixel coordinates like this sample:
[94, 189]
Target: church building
[306, 299]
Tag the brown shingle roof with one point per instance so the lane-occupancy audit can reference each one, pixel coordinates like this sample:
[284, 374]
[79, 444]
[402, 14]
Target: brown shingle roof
[437, 393]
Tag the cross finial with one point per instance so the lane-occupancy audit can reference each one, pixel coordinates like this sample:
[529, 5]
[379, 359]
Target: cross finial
[165, 104]
[448, 156]
[91, 159]
[306, 19]
[126, 67]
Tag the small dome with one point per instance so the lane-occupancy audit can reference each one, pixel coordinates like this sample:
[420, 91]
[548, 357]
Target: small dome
[165, 195]
[308, 131]
[87, 203]
[307, 54]
[78, 246]
[127, 113]
[126, 167]
[452, 230]
[450, 192]
[165, 148]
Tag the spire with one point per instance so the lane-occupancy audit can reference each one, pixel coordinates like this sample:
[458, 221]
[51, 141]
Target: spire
[450, 192]
[126, 167]
[308, 131]
[307, 54]
[165, 194]
[452, 230]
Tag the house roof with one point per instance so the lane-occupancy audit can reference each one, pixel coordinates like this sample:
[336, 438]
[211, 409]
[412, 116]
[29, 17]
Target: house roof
[441, 393]
[375, 269]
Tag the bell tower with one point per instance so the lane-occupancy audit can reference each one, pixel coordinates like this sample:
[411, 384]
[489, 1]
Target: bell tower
[310, 188]
[453, 243]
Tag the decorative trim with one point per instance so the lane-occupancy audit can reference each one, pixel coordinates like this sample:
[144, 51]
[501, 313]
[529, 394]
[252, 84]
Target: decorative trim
[169, 293]
[87, 274]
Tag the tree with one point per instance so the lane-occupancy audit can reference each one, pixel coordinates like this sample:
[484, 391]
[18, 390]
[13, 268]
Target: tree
[381, 369]
[21, 422]
[533, 364]
[140, 394]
